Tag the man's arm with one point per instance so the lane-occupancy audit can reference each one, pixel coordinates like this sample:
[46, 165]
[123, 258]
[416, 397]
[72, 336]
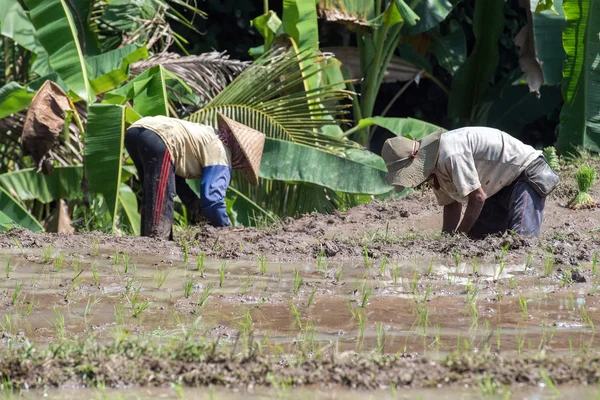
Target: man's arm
[213, 185]
[474, 206]
[451, 216]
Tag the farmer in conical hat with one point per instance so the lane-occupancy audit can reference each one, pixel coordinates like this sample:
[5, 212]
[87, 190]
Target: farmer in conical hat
[502, 181]
[167, 151]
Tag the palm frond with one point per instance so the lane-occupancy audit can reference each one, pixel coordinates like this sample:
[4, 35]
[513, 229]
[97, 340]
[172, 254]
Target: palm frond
[269, 96]
[206, 74]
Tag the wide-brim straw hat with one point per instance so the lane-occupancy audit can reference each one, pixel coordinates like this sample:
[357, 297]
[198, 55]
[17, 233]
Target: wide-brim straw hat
[251, 142]
[406, 167]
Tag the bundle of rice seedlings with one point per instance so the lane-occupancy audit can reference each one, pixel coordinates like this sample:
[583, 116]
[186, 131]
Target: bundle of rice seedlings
[551, 157]
[586, 177]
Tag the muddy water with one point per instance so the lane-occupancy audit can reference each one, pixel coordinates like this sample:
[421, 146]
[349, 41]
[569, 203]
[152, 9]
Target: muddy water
[425, 306]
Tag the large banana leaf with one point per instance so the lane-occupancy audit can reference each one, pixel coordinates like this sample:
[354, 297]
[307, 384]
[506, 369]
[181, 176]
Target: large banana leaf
[110, 69]
[103, 152]
[299, 20]
[472, 80]
[26, 184]
[12, 210]
[579, 120]
[548, 26]
[15, 24]
[431, 13]
[14, 98]
[287, 161]
[407, 127]
[268, 97]
[128, 206]
[57, 32]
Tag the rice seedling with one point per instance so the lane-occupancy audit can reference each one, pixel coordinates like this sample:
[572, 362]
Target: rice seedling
[430, 269]
[380, 337]
[46, 253]
[512, 283]
[7, 326]
[7, 269]
[295, 314]
[422, 315]
[585, 317]
[75, 282]
[548, 265]
[246, 285]
[58, 323]
[566, 278]
[457, 258]
[552, 158]
[16, 292]
[203, 298]
[76, 267]
[395, 274]
[594, 264]
[382, 266]
[200, 263]
[415, 282]
[392, 390]
[18, 244]
[282, 386]
[222, 272]
[280, 273]
[322, 264]
[520, 343]
[95, 274]
[586, 178]
[186, 254]
[367, 262]
[523, 305]
[128, 286]
[140, 308]
[365, 296]
[95, 247]
[262, 264]
[528, 261]
[188, 285]
[135, 296]
[125, 259]
[487, 387]
[361, 318]
[311, 297]
[298, 281]
[116, 258]
[502, 260]
[119, 314]
[338, 275]
[244, 325]
[549, 383]
[475, 266]
[89, 306]
[29, 309]
[58, 262]
[437, 339]
[160, 276]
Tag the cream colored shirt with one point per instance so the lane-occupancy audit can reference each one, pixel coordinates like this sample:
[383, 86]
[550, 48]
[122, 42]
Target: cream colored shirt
[192, 146]
[474, 157]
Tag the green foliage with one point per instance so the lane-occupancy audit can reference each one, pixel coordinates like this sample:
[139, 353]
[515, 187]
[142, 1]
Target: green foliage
[579, 125]
[586, 178]
[551, 158]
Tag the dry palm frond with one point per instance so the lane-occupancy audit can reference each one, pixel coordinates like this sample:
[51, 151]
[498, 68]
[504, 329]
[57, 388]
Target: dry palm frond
[206, 74]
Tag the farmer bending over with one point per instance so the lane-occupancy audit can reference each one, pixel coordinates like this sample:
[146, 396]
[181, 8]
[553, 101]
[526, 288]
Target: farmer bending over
[167, 151]
[503, 182]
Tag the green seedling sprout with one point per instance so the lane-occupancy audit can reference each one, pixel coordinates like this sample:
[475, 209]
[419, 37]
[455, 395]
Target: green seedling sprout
[457, 258]
[246, 285]
[18, 244]
[95, 274]
[222, 272]
[368, 263]
[88, 307]
[502, 260]
[298, 281]
[512, 283]
[17, 292]
[140, 308]
[128, 286]
[395, 274]
[7, 269]
[160, 276]
[135, 296]
[95, 247]
[311, 297]
[46, 253]
[365, 297]
[187, 287]
[523, 306]
[552, 158]
[186, 249]
[586, 178]
[594, 263]
[262, 264]
[125, 259]
[414, 283]
[296, 314]
[380, 337]
[585, 317]
[548, 265]
[116, 258]
[58, 262]
[361, 318]
[528, 261]
[203, 298]
[322, 265]
[76, 267]
[430, 269]
[338, 275]
[200, 267]
[59, 323]
[382, 265]
[549, 383]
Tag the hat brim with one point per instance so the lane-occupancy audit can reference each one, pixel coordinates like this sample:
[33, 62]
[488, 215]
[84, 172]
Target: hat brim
[250, 141]
[418, 171]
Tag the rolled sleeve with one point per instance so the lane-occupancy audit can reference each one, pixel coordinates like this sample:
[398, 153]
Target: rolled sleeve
[213, 186]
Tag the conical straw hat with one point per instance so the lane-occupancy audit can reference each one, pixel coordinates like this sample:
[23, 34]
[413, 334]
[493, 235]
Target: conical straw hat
[252, 143]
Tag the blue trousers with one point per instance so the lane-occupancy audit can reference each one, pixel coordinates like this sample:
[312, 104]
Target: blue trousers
[516, 208]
